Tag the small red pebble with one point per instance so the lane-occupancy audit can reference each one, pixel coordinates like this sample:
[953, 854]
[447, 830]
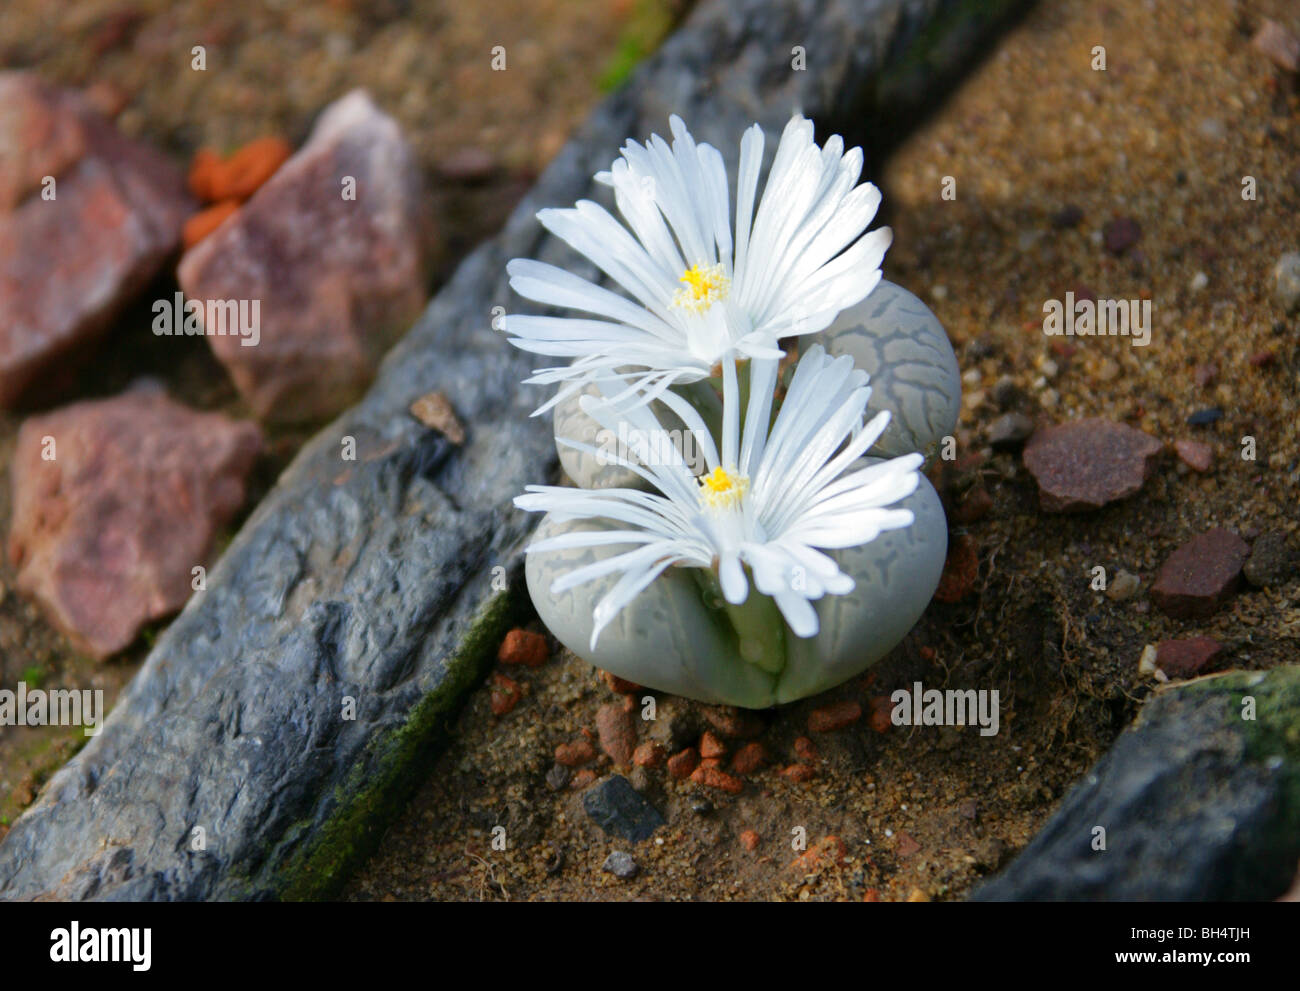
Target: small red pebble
[927, 653]
[749, 840]
[835, 716]
[575, 753]
[506, 693]
[711, 762]
[582, 779]
[206, 221]
[974, 507]
[805, 749]
[826, 852]
[1262, 359]
[711, 746]
[798, 773]
[714, 777]
[881, 708]
[749, 758]
[648, 754]
[905, 846]
[619, 685]
[1195, 454]
[617, 734]
[524, 647]
[683, 764]
[959, 570]
[871, 895]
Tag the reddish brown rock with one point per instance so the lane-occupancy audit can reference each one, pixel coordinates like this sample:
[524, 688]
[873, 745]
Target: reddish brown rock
[106, 534]
[905, 846]
[1195, 454]
[683, 765]
[798, 773]
[524, 647]
[882, 709]
[1201, 575]
[241, 174]
[960, 570]
[620, 686]
[338, 278]
[749, 758]
[1120, 234]
[827, 852]
[506, 693]
[749, 840]
[1086, 464]
[648, 754]
[575, 754]
[835, 716]
[617, 734]
[70, 262]
[711, 746]
[805, 749]
[714, 777]
[1187, 658]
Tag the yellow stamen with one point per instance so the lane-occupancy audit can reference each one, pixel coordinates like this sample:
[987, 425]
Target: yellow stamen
[705, 285]
[721, 489]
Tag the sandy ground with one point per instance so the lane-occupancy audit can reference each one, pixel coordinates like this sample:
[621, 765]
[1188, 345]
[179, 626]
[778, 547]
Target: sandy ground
[1163, 136]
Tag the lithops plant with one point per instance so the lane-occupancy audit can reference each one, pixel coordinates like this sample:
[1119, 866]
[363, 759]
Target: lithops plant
[745, 530]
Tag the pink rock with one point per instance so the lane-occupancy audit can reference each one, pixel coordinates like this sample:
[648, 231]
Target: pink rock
[1195, 454]
[1085, 464]
[69, 264]
[338, 279]
[1201, 575]
[1187, 658]
[105, 534]
[1278, 44]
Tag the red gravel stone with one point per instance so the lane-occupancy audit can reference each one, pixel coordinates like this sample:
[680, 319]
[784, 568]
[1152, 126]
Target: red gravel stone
[975, 506]
[1263, 359]
[835, 716]
[582, 779]
[827, 852]
[1199, 577]
[905, 846]
[749, 840]
[682, 765]
[524, 647]
[805, 749]
[575, 753]
[749, 758]
[960, 570]
[1085, 464]
[1195, 454]
[1187, 658]
[617, 734]
[648, 754]
[711, 746]
[798, 773]
[506, 693]
[881, 710]
[715, 777]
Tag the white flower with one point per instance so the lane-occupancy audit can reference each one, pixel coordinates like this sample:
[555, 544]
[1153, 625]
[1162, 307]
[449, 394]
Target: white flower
[768, 500]
[697, 292]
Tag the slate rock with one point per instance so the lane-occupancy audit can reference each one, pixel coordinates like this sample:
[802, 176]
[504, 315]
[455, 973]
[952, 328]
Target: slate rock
[621, 865]
[1200, 575]
[338, 279]
[378, 579]
[615, 807]
[1086, 464]
[1198, 804]
[106, 533]
[68, 265]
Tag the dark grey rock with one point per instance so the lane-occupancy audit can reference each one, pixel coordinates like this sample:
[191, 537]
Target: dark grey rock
[615, 807]
[1010, 431]
[373, 579]
[1272, 560]
[1198, 804]
[621, 865]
